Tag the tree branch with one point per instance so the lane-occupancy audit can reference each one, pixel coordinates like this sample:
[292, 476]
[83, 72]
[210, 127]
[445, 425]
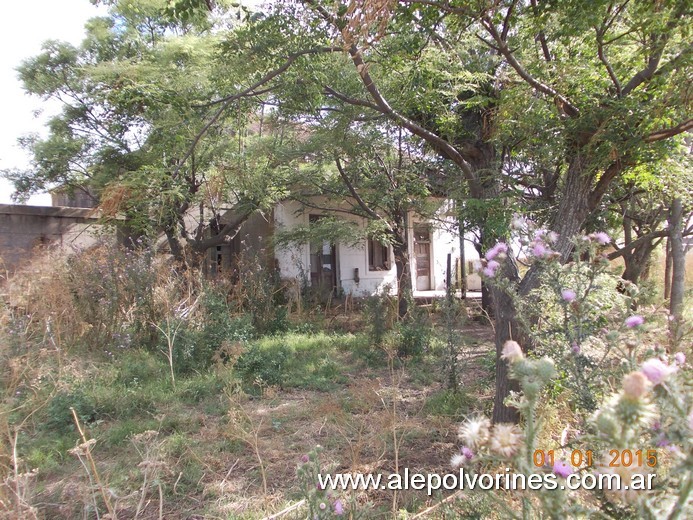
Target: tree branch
[565, 105]
[659, 43]
[605, 61]
[631, 245]
[666, 133]
[384, 107]
[353, 191]
[230, 99]
[541, 36]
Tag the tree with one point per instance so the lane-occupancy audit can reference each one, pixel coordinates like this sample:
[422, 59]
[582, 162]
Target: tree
[608, 78]
[142, 127]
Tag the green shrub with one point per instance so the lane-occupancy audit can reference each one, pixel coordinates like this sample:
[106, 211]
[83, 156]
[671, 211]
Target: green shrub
[137, 367]
[379, 313]
[264, 367]
[448, 403]
[58, 411]
[200, 387]
[413, 334]
[196, 343]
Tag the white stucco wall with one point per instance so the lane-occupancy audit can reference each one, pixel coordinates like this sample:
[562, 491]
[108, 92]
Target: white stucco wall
[294, 261]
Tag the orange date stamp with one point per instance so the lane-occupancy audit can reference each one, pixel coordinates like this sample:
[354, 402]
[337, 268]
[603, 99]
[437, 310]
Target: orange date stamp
[614, 458]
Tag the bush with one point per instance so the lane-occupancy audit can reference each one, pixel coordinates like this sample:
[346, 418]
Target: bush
[414, 333]
[59, 414]
[112, 291]
[200, 334]
[138, 367]
[257, 293]
[448, 403]
[379, 313]
[263, 367]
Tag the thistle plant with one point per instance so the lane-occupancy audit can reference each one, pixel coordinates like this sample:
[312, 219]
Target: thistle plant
[487, 446]
[581, 314]
[322, 503]
[645, 428]
[632, 404]
[651, 416]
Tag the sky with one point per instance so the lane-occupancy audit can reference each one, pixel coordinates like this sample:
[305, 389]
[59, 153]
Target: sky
[24, 27]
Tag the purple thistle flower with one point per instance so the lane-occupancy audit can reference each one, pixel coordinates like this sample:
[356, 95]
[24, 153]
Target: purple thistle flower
[602, 238]
[338, 507]
[656, 371]
[562, 469]
[499, 248]
[490, 273]
[468, 454]
[662, 441]
[680, 358]
[575, 348]
[634, 321]
[540, 250]
[568, 295]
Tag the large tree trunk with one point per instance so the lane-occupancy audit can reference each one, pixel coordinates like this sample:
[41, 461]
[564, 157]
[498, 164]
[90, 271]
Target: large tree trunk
[637, 262]
[573, 210]
[506, 329]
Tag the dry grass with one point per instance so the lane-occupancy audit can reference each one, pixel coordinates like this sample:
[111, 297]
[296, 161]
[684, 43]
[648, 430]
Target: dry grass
[217, 451]
[225, 454]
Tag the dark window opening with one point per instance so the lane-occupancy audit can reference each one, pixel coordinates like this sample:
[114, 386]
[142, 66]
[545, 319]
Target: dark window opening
[378, 256]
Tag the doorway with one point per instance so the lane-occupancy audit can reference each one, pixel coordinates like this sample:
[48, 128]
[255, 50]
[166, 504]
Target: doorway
[323, 263]
[422, 256]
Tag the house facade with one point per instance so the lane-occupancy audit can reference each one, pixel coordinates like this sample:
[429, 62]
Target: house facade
[368, 268]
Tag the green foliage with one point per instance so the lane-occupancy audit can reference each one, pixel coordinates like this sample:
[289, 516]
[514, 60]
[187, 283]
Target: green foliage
[576, 333]
[139, 367]
[296, 360]
[449, 403]
[263, 366]
[59, 416]
[413, 334]
[379, 313]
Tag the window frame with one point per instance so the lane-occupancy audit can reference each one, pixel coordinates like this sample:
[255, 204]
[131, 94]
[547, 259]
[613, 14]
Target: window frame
[385, 254]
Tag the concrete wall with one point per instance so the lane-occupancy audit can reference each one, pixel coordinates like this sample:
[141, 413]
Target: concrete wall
[294, 261]
[23, 229]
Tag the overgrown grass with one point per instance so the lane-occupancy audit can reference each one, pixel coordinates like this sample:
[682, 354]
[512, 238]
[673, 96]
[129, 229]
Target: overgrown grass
[241, 404]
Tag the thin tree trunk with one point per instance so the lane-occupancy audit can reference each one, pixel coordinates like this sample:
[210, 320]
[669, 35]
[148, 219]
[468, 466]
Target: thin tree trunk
[463, 260]
[175, 246]
[400, 250]
[404, 285]
[678, 259]
[667, 270]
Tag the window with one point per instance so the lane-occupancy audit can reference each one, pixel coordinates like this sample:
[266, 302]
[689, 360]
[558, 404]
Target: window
[378, 256]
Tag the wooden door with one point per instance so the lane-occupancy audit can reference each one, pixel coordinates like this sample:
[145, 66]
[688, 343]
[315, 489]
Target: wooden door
[422, 257]
[323, 260]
